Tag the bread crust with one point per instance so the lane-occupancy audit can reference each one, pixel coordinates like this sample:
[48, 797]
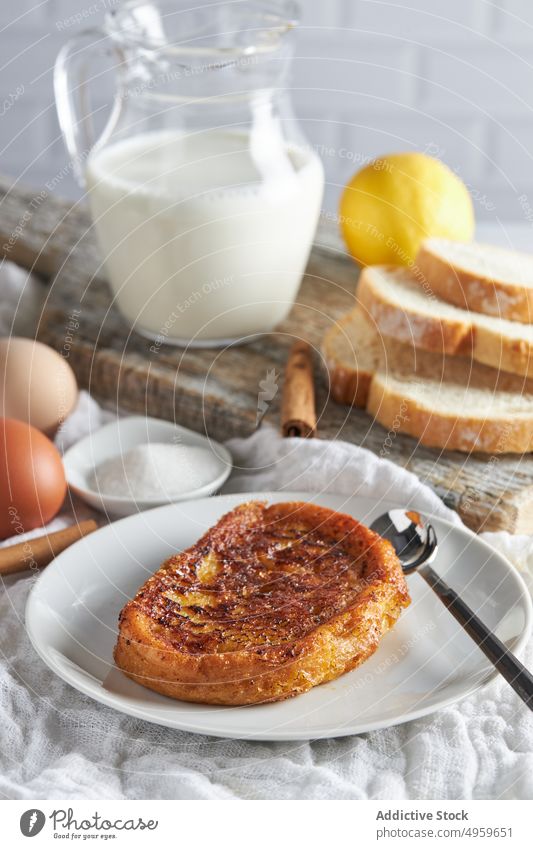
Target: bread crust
[476, 292]
[291, 654]
[347, 386]
[453, 336]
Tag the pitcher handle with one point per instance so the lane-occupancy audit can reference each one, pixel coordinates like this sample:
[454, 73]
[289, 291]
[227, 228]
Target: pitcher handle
[71, 88]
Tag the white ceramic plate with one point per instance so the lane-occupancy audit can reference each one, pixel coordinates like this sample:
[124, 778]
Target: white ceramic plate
[425, 663]
[117, 438]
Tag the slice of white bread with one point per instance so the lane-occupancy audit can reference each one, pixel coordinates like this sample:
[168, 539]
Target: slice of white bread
[444, 402]
[482, 278]
[407, 310]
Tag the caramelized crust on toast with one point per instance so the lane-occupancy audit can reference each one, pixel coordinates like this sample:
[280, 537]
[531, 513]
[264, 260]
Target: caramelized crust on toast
[270, 602]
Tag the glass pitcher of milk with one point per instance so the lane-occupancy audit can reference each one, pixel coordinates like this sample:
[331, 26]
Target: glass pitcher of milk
[203, 193]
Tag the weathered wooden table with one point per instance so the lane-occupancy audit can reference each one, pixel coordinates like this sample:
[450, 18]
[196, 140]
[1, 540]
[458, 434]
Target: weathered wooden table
[217, 391]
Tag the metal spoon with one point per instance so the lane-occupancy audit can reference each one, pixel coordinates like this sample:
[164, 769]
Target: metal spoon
[415, 544]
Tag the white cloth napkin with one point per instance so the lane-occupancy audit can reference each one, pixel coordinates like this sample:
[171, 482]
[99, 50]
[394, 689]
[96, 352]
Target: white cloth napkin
[56, 743]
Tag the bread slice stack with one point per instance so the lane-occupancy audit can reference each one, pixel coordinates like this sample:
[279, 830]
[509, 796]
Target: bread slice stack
[418, 356]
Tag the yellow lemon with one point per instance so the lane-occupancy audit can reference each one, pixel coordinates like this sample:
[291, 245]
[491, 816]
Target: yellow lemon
[394, 203]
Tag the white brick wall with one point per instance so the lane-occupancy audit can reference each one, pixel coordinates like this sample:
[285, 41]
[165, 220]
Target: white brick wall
[454, 77]
[515, 19]
[420, 20]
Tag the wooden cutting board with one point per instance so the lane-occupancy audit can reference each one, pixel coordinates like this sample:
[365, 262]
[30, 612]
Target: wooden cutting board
[219, 392]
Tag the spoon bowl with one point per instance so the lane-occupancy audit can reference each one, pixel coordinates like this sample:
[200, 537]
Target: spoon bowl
[414, 541]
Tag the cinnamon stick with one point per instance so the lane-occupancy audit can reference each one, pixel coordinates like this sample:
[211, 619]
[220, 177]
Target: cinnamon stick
[298, 415]
[40, 551]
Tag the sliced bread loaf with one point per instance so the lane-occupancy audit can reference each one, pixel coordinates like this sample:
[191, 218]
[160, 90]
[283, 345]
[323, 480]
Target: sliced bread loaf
[482, 278]
[408, 310]
[444, 402]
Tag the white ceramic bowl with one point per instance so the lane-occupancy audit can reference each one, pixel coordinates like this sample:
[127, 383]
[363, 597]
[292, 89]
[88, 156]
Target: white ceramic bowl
[117, 438]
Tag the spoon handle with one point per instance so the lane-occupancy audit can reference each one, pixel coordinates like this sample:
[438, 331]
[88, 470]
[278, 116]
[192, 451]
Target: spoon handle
[514, 672]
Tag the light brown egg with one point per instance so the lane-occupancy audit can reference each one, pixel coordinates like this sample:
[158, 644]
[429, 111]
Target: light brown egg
[37, 385]
[32, 478]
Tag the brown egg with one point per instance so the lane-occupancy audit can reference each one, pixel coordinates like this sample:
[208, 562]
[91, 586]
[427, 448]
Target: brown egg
[32, 479]
[37, 385]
